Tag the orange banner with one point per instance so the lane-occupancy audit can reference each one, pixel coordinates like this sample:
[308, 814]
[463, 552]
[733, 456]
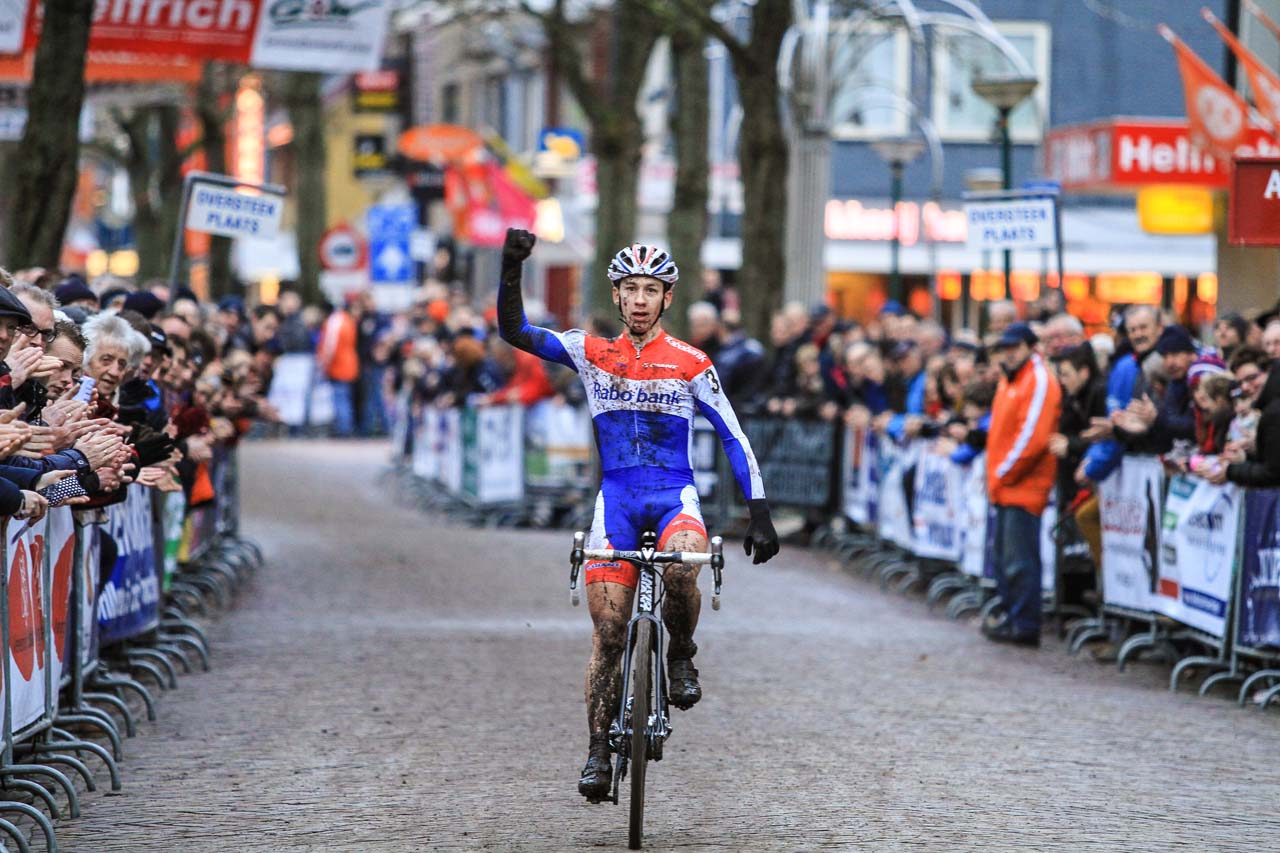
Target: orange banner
[1262, 80]
[1217, 115]
[112, 66]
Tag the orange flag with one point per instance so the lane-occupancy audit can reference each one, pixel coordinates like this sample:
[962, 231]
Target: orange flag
[1256, 11]
[1262, 80]
[1218, 117]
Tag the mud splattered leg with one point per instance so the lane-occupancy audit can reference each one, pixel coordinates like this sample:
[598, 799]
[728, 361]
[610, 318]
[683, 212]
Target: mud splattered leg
[610, 606]
[683, 601]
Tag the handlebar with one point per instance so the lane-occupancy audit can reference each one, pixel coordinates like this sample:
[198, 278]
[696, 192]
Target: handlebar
[579, 555]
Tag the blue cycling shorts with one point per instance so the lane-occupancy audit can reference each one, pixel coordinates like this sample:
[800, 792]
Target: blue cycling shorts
[631, 501]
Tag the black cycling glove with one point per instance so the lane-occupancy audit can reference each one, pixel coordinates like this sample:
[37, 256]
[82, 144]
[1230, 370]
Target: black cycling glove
[761, 539]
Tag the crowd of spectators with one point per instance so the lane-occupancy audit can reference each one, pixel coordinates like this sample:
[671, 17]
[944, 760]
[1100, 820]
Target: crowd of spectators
[103, 388]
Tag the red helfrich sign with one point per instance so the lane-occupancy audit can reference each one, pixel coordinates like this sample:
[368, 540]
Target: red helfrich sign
[1254, 213]
[207, 29]
[1118, 155]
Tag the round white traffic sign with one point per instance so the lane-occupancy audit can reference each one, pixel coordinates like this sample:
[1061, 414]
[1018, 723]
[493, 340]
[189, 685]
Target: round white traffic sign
[342, 249]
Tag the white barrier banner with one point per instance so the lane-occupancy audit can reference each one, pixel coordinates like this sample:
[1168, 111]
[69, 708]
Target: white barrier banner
[426, 463]
[938, 506]
[291, 378]
[90, 568]
[558, 440]
[448, 450]
[1198, 552]
[859, 476]
[973, 561]
[25, 676]
[893, 523]
[493, 454]
[1048, 549]
[1130, 509]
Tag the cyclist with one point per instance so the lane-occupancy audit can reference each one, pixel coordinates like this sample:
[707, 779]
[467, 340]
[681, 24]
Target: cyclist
[643, 388]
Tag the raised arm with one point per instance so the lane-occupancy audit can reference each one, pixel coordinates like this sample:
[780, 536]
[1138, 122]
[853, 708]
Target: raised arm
[513, 325]
[715, 407]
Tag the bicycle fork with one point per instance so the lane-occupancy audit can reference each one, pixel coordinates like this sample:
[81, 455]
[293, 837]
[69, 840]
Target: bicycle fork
[658, 726]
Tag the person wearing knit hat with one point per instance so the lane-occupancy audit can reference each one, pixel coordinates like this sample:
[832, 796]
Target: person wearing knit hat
[1229, 332]
[73, 291]
[144, 302]
[1205, 365]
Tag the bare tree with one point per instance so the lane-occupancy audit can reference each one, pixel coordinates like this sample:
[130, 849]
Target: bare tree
[606, 88]
[48, 158]
[762, 152]
[306, 111]
[213, 106]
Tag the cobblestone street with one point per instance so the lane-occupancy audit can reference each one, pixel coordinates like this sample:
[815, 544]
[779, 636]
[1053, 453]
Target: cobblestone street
[391, 684]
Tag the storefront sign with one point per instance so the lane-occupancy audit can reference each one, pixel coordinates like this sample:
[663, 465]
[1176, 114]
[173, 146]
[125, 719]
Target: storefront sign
[1124, 154]
[851, 220]
[377, 91]
[1254, 215]
[1021, 223]
[370, 155]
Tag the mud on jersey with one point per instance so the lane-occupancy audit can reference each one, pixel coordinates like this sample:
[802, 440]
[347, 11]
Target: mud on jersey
[643, 403]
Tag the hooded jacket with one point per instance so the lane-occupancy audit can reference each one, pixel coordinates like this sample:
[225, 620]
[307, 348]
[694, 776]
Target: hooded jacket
[1262, 468]
[1020, 468]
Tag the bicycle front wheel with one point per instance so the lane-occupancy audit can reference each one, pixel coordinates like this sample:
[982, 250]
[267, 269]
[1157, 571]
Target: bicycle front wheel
[641, 694]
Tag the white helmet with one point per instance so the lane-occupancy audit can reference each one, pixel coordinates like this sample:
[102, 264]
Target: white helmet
[642, 259]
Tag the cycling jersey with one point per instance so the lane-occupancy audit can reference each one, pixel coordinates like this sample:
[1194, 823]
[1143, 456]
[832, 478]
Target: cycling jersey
[643, 401]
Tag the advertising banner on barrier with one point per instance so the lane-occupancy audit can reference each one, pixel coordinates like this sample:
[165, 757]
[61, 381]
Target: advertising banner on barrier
[795, 457]
[860, 476]
[1130, 508]
[973, 560]
[894, 520]
[1260, 571]
[1198, 553]
[175, 512]
[130, 601]
[557, 447]
[493, 454]
[704, 452]
[62, 551]
[937, 513]
[291, 378]
[90, 571]
[24, 547]
[1048, 548]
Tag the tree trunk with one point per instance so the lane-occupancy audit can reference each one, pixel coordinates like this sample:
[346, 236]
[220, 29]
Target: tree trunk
[762, 160]
[687, 222]
[306, 111]
[608, 98]
[155, 179]
[213, 95]
[49, 154]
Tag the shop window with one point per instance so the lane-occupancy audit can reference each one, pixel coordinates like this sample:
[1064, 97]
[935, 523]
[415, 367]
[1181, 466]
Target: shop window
[449, 103]
[872, 68]
[959, 58]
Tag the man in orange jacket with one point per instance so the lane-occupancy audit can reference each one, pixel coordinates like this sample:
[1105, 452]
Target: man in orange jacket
[1020, 473]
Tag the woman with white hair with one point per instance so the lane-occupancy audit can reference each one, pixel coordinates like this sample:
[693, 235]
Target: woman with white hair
[115, 349]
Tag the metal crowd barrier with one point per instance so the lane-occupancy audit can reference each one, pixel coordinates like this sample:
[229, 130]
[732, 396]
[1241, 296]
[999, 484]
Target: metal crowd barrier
[82, 638]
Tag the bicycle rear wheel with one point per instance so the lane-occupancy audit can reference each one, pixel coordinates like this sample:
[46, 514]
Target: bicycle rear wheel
[641, 693]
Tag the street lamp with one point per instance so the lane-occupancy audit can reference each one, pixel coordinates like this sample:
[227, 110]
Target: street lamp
[1005, 93]
[897, 153]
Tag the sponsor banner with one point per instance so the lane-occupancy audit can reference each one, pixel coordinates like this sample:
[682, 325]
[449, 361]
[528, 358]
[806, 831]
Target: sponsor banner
[860, 476]
[795, 458]
[291, 379]
[24, 549]
[174, 514]
[493, 454]
[1130, 508]
[1198, 553]
[322, 35]
[61, 531]
[207, 29]
[704, 449]
[558, 441]
[1048, 548]
[1253, 214]
[130, 601]
[894, 521]
[87, 586]
[1260, 570]
[974, 555]
[938, 508]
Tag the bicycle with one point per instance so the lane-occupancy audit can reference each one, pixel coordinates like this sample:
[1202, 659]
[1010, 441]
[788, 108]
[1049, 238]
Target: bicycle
[644, 685]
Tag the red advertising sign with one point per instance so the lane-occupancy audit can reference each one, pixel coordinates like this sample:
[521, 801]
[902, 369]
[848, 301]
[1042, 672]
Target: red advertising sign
[1253, 217]
[208, 29]
[1123, 155]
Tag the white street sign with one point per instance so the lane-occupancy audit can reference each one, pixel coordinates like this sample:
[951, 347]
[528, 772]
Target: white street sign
[229, 213]
[1011, 224]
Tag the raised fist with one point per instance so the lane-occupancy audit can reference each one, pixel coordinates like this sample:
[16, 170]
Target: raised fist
[518, 245]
